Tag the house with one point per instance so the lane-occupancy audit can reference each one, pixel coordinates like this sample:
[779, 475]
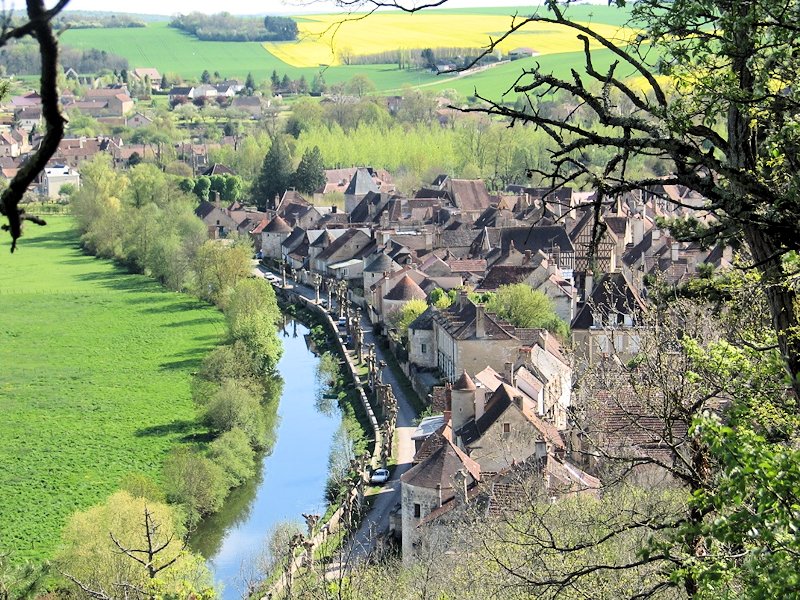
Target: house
[512, 245]
[28, 117]
[180, 94]
[217, 220]
[273, 235]
[9, 146]
[247, 104]
[360, 185]
[402, 292]
[56, 176]
[138, 120]
[353, 243]
[148, 73]
[608, 321]
[501, 430]
[338, 180]
[432, 483]
[521, 52]
[376, 267]
[421, 346]
[540, 274]
[467, 337]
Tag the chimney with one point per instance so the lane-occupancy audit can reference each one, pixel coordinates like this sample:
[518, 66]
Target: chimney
[588, 285]
[462, 299]
[656, 233]
[480, 400]
[333, 209]
[460, 487]
[480, 322]
[527, 259]
[508, 373]
[674, 251]
[637, 229]
[439, 493]
[216, 199]
[518, 402]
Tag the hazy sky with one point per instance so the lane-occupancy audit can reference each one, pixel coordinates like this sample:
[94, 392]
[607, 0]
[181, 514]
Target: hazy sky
[169, 7]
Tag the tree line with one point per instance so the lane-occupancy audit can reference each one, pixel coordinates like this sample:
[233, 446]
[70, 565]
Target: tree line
[22, 58]
[225, 27]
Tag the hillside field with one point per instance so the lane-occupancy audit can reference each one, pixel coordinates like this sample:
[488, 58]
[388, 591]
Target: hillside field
[95, 381]
[323, 38]
[173, 51]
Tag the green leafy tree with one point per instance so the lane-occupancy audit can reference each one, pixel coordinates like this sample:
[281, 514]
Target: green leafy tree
[219, 268]
[233, 453]
[252, 313]
[275, 175]
[310, 173]
[202, 188]
[405, 315]
[523, 306]
[318, 85]
[205, 76]
[131, 543]
[249, 83]
[235, 406]
[194, 481]
[440, 299]
[360, 85]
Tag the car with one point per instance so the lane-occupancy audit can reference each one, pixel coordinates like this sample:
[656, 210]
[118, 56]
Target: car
[379, 476]
[323, 303]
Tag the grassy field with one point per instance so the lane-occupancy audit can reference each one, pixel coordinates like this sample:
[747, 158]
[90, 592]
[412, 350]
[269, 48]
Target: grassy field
[172, 51]
[95, 381]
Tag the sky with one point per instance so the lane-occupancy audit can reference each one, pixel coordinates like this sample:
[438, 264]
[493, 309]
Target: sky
[169, 7]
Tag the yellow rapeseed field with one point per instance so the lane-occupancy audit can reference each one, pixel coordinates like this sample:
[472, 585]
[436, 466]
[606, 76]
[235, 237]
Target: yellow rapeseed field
[325, 39]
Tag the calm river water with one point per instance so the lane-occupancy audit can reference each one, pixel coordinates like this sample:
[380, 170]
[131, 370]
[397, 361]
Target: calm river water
[292, 478]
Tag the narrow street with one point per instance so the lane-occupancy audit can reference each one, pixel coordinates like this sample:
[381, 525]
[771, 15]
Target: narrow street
[376, 522]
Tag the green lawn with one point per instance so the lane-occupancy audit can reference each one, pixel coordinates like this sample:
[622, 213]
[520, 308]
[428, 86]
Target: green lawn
[172, 51]
[495, 81]
[96, 368]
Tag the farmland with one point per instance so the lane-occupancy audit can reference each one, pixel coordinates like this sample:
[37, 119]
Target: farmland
[324, 37]
[96, 376]
[173, 51]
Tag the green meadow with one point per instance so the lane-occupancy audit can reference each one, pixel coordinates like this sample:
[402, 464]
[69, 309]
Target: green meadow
[173, 51]
[95, 384]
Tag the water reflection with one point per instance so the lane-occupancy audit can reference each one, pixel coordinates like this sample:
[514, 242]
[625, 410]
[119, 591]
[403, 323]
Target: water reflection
[292, 478]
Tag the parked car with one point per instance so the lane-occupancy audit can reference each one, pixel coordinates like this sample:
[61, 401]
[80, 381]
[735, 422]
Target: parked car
[379, 476]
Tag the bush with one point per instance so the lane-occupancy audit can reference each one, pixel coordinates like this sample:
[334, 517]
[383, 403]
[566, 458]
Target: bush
[194, 481]
[232, 453]
[235, 406]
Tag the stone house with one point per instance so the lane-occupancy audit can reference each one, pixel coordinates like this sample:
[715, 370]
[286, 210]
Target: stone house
[402, 292]
[273, 235]
[217, 220]
[432, 483]
[353, 243]
[421, 343]
[466, 337]
[500, 430]
[375, 268]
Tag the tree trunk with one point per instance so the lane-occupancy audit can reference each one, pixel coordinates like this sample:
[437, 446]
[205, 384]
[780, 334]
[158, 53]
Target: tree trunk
[781, 297]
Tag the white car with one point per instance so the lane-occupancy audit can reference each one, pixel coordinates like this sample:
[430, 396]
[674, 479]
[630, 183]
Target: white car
[379, 476]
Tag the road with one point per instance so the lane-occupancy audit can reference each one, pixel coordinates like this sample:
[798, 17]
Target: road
[376, 522]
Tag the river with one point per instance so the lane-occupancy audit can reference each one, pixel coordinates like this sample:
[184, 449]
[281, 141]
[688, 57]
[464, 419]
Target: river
[292, 477]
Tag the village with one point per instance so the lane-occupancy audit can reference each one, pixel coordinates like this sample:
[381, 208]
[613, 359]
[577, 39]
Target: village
[507, 405]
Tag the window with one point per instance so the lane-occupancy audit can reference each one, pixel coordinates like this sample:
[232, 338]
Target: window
[423, 348]
[506, 427]
[417, 510]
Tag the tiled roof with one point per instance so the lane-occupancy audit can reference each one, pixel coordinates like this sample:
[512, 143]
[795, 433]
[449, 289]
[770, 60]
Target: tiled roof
[405, 289]
[469, 194]
[381, 264]
[438, 469]
[505, 275]
[278, 225]
[464, 383]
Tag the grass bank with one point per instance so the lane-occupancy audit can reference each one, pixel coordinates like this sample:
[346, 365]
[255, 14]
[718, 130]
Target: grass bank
[97, 366]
